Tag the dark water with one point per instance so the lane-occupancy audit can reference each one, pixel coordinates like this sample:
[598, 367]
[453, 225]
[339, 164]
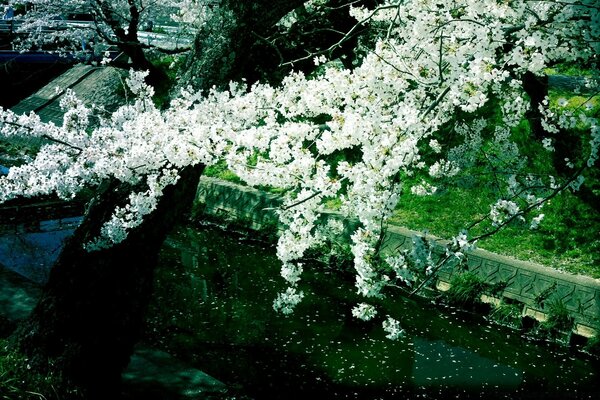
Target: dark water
[31, 248]
[19, 80]
[213, 309]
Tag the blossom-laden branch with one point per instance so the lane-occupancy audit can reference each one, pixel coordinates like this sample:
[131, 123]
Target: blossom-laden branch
[378, 116]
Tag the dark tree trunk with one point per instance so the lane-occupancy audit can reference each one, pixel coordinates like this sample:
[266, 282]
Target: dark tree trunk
[565, 144]
[221, 49]
[91, 311]
[536, 88]
[127, 39]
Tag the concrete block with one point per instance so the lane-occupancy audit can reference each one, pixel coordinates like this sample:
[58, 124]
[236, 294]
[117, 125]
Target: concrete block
[535, 314]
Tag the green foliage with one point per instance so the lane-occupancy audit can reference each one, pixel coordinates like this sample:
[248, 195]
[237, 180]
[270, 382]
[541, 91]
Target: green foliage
[19, 382]
[220, 171]
[465, 290]
[572, 68]
[559, 318]
[507, 314]
[568, 101]
[169, 65]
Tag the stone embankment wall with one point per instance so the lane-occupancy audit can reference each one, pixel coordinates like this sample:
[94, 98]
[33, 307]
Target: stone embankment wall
[526, 284]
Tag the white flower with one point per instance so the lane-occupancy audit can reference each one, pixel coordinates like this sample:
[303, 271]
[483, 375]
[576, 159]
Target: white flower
[320, 60]
[503, 210]
[106, 58]
[291, 272]
[535, 222]
[443, 168]
[287, 301]
[364, 311]
[423, 189]
[393, 329]
[435, 146]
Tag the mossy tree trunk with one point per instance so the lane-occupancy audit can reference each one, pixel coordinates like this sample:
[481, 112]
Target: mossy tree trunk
[90, 314]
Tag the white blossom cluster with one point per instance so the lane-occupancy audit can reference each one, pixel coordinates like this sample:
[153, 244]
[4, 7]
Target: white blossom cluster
[287, 301]
[503, 210]
[364, 311]
[393, 329]
[437, 64]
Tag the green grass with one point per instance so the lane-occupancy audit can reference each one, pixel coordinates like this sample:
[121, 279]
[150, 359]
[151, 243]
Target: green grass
[465, 290]
[569, 69]
[19, 382]
[567, 238]
[220, 171]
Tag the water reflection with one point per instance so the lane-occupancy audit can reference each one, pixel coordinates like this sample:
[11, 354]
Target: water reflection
[213, 308]
[438, 364]
[31, 248]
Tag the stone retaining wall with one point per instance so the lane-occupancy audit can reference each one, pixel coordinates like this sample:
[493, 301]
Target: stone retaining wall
[524, 283]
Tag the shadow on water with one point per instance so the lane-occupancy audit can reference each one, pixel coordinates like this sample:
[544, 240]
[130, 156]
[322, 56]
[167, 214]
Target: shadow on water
[213, 309]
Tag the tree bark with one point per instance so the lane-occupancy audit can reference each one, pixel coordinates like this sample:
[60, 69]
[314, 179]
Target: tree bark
[221, 48]
[565, 144]
[90, 314]
[127, 39]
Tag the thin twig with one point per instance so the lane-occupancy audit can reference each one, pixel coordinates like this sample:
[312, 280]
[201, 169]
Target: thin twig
[436, 102]
[346, 37]
[285, 208]
[45, 136]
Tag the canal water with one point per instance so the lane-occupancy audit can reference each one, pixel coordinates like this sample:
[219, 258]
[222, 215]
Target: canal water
[213, 309]
[31, 248]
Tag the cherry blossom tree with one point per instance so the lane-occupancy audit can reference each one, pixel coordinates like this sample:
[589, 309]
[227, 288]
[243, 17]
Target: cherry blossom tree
[47, 25]
[436, 85]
